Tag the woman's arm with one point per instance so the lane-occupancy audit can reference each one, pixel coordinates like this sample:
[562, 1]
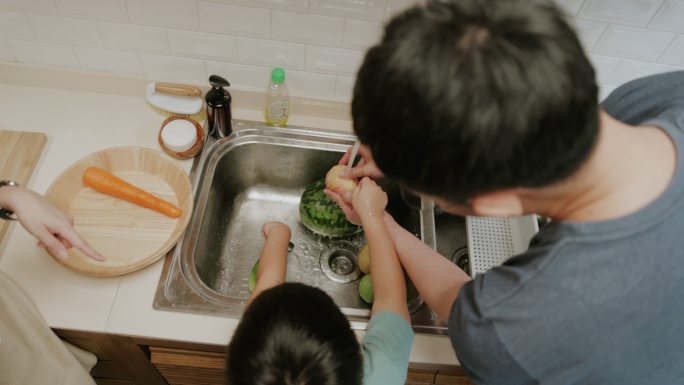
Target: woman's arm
[51, 226]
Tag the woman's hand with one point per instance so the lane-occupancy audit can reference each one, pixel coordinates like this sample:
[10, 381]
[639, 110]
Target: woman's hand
[51, 226]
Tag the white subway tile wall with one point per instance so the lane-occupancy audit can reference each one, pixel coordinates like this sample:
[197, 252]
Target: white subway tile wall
[203, 45]
[288, 5]
[163, 13]
[271, 53]
[307, 28]
[42, 54]
[171, 68]
[635, 43]
[5, 53]
[134, 38]
[675, 54]
[112, 10]
[15, 25]
[357, 9]
[669, 17]
[321, 43]
[37, 6]
[232, 19]
[571, 7]
[106, 60]
[333, 60]
[361, 34]
[65, 30]
[631, 12]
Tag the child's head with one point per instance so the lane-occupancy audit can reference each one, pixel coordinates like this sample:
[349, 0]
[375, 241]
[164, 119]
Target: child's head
[294, 334]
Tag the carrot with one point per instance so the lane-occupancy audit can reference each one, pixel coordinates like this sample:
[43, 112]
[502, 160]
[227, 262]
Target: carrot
[104, 182]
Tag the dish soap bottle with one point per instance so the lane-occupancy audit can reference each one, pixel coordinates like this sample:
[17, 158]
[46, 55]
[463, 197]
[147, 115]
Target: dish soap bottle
[277, 100]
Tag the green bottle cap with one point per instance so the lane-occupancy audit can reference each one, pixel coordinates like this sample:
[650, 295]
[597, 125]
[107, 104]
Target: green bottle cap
[278, 75]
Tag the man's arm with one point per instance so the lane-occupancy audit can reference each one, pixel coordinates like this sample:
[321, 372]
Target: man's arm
[437, 279]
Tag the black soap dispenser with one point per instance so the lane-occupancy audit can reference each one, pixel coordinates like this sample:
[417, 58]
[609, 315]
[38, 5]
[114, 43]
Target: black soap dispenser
[219, 116]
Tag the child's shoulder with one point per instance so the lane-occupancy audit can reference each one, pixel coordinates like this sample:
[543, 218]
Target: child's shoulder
[386, 348]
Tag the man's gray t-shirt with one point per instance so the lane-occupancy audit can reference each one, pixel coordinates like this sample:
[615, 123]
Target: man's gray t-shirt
[589, 303]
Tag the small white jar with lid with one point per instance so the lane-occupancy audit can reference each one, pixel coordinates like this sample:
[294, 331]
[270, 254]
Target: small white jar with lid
[181, 137]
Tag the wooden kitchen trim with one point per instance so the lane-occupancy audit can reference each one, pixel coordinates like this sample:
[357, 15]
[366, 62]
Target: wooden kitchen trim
[443, 374]
[189, 367]
[124, 360]
[119, 359]
[192, 367]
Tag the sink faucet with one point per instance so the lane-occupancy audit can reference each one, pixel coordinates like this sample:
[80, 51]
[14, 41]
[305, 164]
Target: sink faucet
[219, 116]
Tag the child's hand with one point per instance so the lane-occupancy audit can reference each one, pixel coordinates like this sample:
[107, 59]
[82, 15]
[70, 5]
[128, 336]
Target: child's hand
[368, 199]
[275, 227]
[273, 260]
[345, 205]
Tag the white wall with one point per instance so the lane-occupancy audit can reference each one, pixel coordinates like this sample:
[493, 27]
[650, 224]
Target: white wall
[319, 42]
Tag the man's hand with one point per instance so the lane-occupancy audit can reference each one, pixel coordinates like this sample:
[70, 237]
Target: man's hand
[365, 167]
[53, 228]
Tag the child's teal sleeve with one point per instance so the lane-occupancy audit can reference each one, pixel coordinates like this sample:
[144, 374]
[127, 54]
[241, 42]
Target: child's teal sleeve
[386, 348]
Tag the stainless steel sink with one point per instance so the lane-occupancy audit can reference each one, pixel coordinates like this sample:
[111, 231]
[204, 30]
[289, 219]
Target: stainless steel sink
[258, 174]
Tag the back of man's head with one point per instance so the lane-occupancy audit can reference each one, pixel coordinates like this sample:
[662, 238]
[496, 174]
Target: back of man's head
[294, 334]
[463, 97]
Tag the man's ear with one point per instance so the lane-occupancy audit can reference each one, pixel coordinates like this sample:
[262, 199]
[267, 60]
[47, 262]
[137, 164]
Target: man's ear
[503, 203]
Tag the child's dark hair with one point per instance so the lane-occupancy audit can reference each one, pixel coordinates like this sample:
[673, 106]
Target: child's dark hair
[294, 334]
[463, 97]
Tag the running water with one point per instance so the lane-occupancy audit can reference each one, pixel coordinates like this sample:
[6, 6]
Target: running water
[355, 150]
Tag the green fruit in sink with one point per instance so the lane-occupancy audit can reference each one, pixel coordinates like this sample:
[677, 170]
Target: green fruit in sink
[363, 259]
[252, 277]
[366, 288]
[322, 215]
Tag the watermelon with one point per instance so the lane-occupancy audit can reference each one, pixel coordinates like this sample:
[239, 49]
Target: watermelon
[322, 215]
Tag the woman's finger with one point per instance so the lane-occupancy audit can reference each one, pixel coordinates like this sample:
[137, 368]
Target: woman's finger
[77, 242]
[51, 244]
[65, 242]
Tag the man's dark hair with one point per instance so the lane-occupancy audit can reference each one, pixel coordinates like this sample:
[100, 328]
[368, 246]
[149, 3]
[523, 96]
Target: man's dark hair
[294, 334]
[465, 97]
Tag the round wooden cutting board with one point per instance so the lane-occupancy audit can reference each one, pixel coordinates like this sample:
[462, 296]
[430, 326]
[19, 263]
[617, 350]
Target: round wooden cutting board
[129, 236]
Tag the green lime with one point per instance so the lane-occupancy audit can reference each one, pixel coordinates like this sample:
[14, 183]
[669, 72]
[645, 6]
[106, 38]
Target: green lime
[366, 288]
[252, 277]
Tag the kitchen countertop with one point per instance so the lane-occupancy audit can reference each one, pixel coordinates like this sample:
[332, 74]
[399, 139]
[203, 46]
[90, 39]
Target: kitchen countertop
[84, 113]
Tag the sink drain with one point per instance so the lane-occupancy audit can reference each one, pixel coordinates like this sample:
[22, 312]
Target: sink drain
[338, 262]
[460, 258]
